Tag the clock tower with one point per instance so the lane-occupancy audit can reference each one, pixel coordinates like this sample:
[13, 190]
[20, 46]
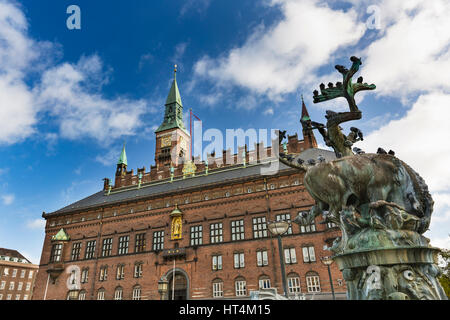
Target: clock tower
[172, 139]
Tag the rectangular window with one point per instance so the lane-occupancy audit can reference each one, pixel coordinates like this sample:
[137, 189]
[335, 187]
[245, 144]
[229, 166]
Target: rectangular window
[309, 228]
[313, 283]
[237, 230]
[103, 274]
[11, 285]
[22, 273]
[101, 295]
[261, 258]
[25, 297]
[331, 225]
[17, 296]
[140, 243]
[138, 270]
[90, 249]
[196, 235]
[120, 274]
[158, 240]
[107, 247]
[308, 254]
[2, 285]
[259, 227]
[285, 217]
[19, 286]
[56, 252]
[239, 260]
[6, 272]
[264, 284]
[293, 284]
[14, 273]
[30, 274]
[241, 288]
[84, 275]
[118, 294]
[290, 256]
[76, 249]
[81, 295]
[218, 289]
[123, 245]
[217, 262]
[216, 232]
[28, 286]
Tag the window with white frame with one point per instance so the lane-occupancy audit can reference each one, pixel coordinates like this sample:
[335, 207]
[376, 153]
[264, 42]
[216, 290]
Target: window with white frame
[90, 249]
[313, 282]
[76, 250]
[216, 232]
[120, 274]
[107, 247]
[2, 285]
[309, 254]
[264, 282]
[82, 295]
[103, 273]
[84, 275]
[136, 293]
[293, 281]
[1, 296]
[19, 286]
[285, 217]
[290, 257]
[308, 228]
[11, 285]
[237, 230]
[30, 274]
[262, 258]
[196, 235]
[17, 296]
[138, 269]
[6, 272]
[28, 287]
[22, 273]
[158, 240]
[240, 287]
[101, 294]
[217, 262]
[25, 297]
[239, 260]
[123, 245]
[55, 255]
[8, 297]
[118, 293]
[217, 288]
[259, 227]
[14, 273]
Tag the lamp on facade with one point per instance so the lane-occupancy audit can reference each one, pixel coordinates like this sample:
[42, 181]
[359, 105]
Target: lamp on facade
[278, 228]
[163, 286]
[328, 261]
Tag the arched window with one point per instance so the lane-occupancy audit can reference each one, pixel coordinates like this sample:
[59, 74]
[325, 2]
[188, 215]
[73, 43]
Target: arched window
[217, 288]
[101, 294]
[136, 293]
[240, 286]
[82, 295]
[293, 280]
[313, 282]
[118, 293]
[264, 282]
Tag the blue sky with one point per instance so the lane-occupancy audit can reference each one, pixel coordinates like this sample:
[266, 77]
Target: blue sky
[70, 98]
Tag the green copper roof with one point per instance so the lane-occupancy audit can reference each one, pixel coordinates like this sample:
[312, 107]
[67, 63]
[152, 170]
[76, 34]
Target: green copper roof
[61, 236]
[173, 116]
[174, 94]
[123, 157]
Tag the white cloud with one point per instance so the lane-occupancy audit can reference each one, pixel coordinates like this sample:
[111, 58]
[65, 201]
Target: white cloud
[70, 93]
[7, 199]
[36, 224]
[413, 53]
[275, 60]
[268, 111]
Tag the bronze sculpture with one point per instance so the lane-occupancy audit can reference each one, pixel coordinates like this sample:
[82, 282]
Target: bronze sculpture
[381, 205]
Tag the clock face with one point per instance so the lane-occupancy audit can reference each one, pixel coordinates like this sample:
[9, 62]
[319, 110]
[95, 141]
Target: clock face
[166, 141]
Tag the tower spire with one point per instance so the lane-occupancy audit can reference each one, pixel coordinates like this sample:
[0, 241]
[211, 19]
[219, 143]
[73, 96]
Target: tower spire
[305, 120]
[123, 157]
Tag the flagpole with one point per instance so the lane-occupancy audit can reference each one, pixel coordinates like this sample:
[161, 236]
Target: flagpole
[190, 131]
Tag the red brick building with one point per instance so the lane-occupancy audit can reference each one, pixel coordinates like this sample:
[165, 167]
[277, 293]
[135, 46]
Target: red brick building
[17, 276]
[203, 224]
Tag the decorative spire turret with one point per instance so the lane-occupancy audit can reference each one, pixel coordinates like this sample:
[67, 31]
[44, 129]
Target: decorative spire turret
[122, 163]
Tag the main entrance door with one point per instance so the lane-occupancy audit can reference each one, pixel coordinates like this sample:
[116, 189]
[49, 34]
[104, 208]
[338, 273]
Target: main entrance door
[178, 290]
